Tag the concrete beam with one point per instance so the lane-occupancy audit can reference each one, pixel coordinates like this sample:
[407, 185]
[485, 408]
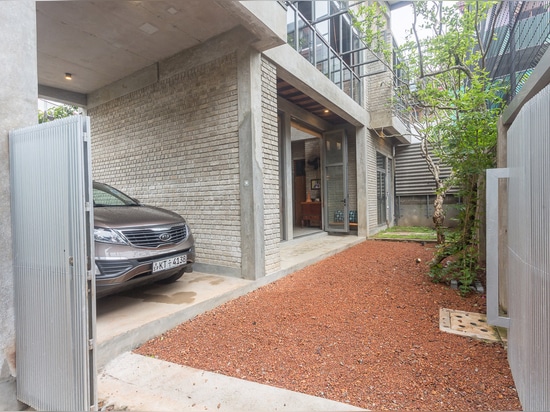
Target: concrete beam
[297, 71]
[62, 96]
[301, 114]
[136, 81]
[211, 50]
[265, 20]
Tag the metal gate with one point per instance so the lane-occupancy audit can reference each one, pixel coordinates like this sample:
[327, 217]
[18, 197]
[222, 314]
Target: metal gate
[52, 228]
[523, 253]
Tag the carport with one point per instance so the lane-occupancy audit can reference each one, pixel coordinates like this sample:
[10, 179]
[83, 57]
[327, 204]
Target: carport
[92, 53]
[84, 53]
[126, 320]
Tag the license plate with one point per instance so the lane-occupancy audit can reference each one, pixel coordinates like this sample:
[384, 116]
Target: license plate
[169, 263]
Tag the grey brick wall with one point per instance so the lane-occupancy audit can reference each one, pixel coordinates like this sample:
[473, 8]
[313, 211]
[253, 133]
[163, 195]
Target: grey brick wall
[383, 146]
[270, 149]
[174, 144]
[379, 90]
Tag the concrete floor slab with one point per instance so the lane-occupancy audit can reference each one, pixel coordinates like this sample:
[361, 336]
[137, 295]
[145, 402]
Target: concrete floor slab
[129, 319]
[137, 383]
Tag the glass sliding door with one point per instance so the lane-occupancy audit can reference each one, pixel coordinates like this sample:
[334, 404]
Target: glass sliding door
[335, 196]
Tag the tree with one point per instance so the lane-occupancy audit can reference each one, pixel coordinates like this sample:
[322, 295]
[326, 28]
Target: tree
[57, 112]
[453, 107]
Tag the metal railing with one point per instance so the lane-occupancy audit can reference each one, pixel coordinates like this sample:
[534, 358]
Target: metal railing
[313, 46]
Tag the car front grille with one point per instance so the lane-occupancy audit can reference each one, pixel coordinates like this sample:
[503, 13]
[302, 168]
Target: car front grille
[110, 268]
[156, 236]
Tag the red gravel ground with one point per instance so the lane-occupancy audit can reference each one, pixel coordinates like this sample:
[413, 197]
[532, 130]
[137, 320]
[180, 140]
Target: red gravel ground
[360, 327]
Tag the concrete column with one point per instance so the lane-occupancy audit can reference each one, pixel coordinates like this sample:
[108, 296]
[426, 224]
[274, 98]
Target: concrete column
[251, 164]
[286, 181]
[18, 108]
[361, 138]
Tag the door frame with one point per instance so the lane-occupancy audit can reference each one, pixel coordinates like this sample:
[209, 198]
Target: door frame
[335, 221]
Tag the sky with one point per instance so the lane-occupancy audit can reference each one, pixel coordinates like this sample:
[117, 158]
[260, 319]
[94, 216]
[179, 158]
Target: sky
[401, 23]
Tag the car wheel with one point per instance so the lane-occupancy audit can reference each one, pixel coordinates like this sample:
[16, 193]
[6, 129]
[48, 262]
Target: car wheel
[172, 278]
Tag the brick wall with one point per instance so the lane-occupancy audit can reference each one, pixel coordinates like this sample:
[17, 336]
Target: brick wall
[270, 149]
[174, 144]
[383, 146]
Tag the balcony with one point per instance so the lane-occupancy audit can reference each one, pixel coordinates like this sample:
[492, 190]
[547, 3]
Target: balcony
[315, 47]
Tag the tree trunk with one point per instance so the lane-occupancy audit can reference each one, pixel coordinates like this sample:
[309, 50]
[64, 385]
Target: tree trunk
[439, 217]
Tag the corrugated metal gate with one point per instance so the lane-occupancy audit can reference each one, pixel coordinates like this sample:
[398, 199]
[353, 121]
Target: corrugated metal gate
[53, 252]
[528, 254]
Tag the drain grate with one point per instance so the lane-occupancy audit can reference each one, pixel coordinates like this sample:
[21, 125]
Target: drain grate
[468, 324]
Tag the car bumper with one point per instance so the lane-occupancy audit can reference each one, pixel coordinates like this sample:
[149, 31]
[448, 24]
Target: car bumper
[119, 267]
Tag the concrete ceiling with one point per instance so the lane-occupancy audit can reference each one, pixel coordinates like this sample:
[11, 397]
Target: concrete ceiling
[99, 42]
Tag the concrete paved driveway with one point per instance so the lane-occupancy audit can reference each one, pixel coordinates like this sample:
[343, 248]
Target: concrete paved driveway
[127, 320]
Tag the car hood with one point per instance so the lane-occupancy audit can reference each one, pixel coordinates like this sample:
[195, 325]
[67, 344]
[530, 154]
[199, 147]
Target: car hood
[119, 217]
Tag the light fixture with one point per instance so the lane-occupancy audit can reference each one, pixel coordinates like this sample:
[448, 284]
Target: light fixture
[326, 111]
[68, 76]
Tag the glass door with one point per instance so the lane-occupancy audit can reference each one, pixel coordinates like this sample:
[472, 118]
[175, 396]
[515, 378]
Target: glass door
[381, 189]
[335, 195]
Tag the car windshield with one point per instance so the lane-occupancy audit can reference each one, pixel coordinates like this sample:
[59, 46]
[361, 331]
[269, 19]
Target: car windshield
[105, 195]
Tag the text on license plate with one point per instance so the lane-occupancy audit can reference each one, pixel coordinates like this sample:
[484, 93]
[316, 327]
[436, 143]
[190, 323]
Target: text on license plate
[169, 263]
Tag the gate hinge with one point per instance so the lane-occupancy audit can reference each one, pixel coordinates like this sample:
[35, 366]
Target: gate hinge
[90, 344]
[85, 136]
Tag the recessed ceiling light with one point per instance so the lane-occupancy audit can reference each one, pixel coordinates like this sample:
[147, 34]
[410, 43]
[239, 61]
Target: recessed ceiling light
[148, 28]
[68, 76]
[326, 111]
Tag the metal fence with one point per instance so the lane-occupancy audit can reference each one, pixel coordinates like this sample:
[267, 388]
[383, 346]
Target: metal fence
[525, 252]
[528, 251]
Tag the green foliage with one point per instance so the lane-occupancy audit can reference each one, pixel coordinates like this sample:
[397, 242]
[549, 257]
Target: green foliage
[453, 107]
[57, 112]
[462, 266]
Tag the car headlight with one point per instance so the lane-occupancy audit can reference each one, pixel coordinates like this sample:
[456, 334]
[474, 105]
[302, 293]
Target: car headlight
[108, 236]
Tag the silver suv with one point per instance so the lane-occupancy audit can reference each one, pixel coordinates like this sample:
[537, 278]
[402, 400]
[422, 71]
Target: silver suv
[137, 244]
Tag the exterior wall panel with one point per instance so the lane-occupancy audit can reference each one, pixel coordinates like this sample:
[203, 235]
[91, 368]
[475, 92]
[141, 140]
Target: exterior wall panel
[175, 144]
[412, 176]
[528, 253]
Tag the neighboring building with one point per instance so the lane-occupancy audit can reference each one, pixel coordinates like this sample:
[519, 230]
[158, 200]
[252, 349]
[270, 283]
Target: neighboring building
[231, 113]
[519, 34]
[518, 287]
[415, 190]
